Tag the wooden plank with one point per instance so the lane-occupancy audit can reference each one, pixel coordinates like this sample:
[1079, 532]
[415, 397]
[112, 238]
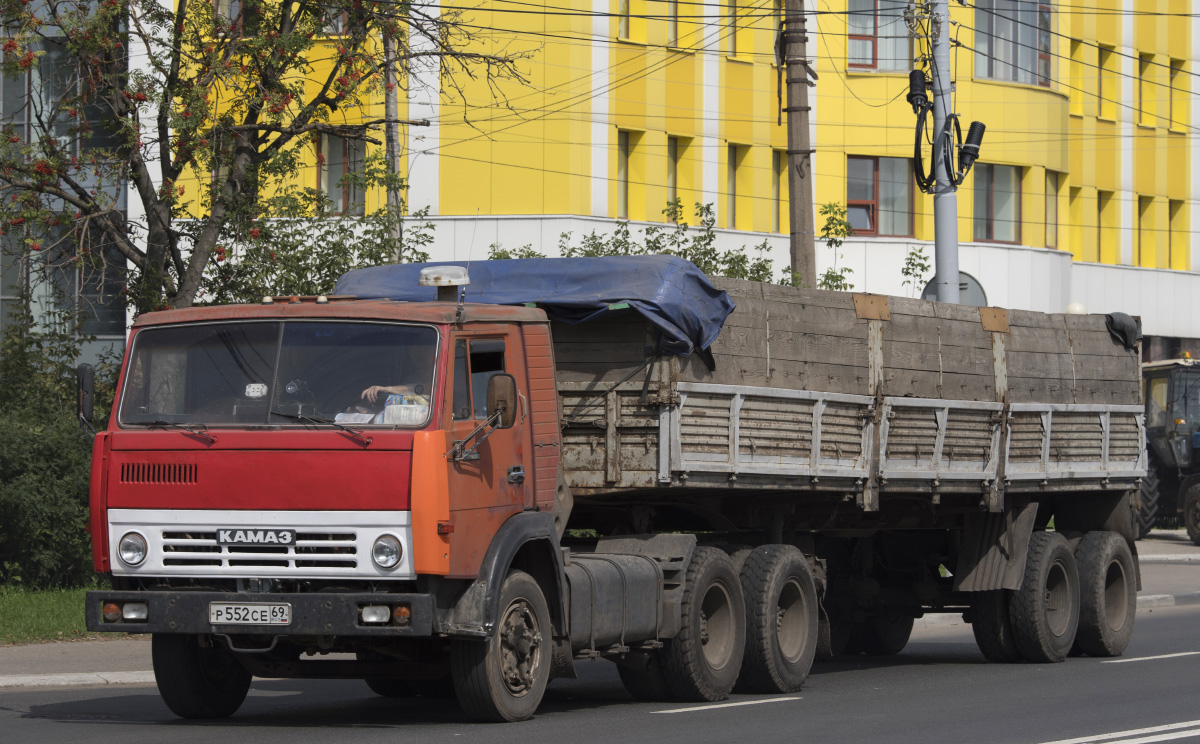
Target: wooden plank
[1034, 319]
[963, 333]
[799, 347]
[924, 356]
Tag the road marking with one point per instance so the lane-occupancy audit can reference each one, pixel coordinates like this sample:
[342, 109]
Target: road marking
[1151, 658]
[1173, 727]
[728, 705]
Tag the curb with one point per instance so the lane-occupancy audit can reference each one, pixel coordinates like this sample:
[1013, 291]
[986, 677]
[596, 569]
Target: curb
[1170, 558]
[94, 679]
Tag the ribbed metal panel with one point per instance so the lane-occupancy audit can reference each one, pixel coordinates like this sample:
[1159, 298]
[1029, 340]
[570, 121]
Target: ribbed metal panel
[842, 431]
[1026, 436]
[969, 435]
[775, 428]
[704, 424]
[1076, 437]
[1124, 444]
[154, 473]
[912, 436]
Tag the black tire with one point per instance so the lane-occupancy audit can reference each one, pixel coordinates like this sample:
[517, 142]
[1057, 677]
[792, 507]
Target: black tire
[1191, 513]
[198, 681]
[642, 675]
[1107, 594]
[882, 634]
[702, 662]
[833, 636]
[781, 619]
[1146, 517]
[1044, 612]
[504, 677]
[991, 625]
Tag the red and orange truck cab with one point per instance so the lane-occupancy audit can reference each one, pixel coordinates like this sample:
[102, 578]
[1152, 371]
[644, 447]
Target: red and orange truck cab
[330, 467]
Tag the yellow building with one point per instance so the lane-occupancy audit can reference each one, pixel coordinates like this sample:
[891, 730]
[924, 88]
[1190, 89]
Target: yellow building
[1084, 190]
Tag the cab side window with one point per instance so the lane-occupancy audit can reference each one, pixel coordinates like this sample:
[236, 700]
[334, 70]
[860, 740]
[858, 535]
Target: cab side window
[1156, 402]
[475, 363]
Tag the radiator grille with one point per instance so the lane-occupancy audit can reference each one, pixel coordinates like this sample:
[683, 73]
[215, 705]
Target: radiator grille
[156, 473]
[312, 550]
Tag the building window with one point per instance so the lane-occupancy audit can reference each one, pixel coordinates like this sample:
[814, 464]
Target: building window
[1145, 232]
[1146, 93]
[1075, 223]
[997, 203]
[1108, 89]
[1052, 183]
[622, 19]
[879, 35]
[336, 22]
[1106, 222]
[101, 280]
[778, 189]
[879, 196]
[227, 12]
[1177, 235]
[1178, 103]
[672, 23]
[1013, 41]
[1075, 92]
[672, 169]
[338, 161]
[623, 174]
[733, 27]
[731, 174]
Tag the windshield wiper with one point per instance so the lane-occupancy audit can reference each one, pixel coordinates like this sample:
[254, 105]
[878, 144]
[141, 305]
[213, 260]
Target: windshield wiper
[199, 431]
[358, 435]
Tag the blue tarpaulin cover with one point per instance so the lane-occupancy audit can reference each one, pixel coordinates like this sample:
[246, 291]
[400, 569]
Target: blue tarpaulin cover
[670, 292]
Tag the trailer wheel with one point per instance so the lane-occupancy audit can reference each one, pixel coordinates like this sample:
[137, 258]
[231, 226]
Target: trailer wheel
[702, 662]
[1107, 594]
[1045, 611]
[504, 677]
[198, 681]
[991, 625]
[1146, 517]
[781, 619]
[642, 675]
[882, 634]
[1191, 513]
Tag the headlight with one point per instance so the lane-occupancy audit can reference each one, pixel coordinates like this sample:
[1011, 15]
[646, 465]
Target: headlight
[386, 552]
[132, 548]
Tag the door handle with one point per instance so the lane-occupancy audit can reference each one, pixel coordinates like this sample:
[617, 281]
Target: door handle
[516, 474]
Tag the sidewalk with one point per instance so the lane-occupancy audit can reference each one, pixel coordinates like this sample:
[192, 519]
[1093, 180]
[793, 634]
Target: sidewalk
[1170, 576]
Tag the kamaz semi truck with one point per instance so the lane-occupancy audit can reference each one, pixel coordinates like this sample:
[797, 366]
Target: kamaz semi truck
[442, 478]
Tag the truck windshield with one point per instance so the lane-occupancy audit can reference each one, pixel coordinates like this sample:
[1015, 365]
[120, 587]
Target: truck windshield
[290, 373]
[1186, 404]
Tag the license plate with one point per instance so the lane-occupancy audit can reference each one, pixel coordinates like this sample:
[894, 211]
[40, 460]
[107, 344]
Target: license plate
[249, 613]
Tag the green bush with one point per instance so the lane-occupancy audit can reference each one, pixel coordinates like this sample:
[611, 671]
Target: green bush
[44, 467]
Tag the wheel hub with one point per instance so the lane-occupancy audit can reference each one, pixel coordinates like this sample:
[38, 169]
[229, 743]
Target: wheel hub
[520, 647]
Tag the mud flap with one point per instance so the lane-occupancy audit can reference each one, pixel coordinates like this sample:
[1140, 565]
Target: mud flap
[993, 551]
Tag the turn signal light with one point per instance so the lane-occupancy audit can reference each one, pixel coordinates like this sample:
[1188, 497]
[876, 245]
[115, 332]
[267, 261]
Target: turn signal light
[112, 612]
[402, 615]
[1179, 422]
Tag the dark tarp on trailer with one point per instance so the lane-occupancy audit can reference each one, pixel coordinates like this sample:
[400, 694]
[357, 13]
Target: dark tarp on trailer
[671, 293]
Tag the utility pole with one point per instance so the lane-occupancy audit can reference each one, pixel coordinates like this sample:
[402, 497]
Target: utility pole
[391, 130]
[794, 50]
[945, 195]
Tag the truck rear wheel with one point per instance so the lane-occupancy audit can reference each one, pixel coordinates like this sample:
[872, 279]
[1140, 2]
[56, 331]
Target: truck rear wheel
[504, 677]
[1191, 513]
[1107, 594]
[882, 634]
[642, 675]
[1045, 611]
[702, 662]
[991, 625]
[781, 619]
[197, 681]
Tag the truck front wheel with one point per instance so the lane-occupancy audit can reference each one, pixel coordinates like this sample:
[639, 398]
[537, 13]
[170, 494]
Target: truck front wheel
[702, 662]
[504, 677]
[781, 619]
[1045, 610]
[195, 680]
[1107, 594]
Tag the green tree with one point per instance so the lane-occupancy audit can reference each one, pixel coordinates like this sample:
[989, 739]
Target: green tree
[235, 94]
[834, 232]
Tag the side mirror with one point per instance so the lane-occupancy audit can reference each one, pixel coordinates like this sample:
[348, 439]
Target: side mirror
[502, 397]
[85, 377]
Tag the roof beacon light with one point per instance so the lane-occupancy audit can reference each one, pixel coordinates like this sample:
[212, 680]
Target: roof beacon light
[446, 278]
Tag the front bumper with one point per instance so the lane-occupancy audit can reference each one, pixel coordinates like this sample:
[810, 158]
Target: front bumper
[315, 614]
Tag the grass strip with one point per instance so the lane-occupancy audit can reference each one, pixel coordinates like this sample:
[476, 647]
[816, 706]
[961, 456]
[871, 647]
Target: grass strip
[41, 616]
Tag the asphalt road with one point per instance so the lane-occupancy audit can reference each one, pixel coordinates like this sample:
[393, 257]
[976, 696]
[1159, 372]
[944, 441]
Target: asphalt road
[939, 689]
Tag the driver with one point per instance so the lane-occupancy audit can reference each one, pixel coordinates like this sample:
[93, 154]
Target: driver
[419, 367]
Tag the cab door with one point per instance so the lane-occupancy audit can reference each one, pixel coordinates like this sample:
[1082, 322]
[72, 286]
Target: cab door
[490, 482]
